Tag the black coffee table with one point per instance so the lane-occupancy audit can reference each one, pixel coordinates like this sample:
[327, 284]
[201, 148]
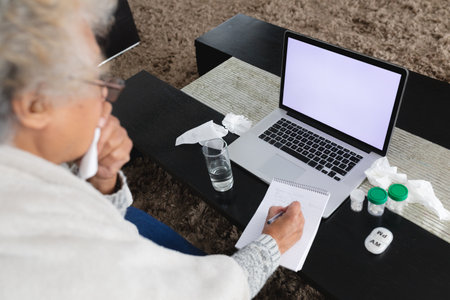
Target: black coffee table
[415, 266]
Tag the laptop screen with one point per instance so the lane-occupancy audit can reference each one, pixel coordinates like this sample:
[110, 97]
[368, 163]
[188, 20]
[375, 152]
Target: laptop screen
[352, 96]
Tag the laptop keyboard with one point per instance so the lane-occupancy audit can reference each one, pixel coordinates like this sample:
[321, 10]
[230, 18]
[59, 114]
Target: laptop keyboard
[316, 151]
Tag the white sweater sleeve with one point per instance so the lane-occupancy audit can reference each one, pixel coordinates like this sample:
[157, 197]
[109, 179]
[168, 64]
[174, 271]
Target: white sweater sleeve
[259, 260]
[121, 199]
[66, 241]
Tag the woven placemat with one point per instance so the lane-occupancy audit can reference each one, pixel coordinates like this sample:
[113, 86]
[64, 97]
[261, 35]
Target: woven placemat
[240, 88]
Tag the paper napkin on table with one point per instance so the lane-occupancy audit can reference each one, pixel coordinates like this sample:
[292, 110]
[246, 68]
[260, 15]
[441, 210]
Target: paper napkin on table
[381, 174]
[236, 124]
[421, 191]
[204, 132]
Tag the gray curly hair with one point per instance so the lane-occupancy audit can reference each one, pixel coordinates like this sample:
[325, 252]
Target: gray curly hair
[41, 48]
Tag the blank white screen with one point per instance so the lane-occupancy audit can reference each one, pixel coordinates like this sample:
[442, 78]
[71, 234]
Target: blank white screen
[349, 95]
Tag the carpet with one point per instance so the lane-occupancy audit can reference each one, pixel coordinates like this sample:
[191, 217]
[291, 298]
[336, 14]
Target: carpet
[414, 34]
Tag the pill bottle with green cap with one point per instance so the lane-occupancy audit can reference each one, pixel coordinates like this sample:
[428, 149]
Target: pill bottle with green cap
[397, 196]
[377, 199]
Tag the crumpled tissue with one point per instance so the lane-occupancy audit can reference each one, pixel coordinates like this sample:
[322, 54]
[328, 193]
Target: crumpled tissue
[199, 134]
[421, 191]
[89, 162]
[236, 124]
[381, 174]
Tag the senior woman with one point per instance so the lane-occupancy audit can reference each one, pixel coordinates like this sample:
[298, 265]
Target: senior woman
[62, 237]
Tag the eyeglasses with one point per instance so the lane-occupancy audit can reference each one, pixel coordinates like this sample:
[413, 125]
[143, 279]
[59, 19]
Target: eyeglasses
[114, 86]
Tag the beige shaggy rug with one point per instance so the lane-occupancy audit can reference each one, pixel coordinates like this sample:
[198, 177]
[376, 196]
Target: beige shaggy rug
[411, 33]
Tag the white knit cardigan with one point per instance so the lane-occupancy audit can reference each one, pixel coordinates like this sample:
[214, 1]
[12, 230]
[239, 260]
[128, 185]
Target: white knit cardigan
[61, 239]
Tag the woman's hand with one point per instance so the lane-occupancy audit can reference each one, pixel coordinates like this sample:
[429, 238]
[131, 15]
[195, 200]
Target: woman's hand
[114, 148]
[288, 228]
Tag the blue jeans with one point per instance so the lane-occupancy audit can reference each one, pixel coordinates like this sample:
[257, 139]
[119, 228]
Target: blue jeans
[159, 232]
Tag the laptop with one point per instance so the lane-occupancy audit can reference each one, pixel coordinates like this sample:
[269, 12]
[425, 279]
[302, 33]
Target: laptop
[336, 114]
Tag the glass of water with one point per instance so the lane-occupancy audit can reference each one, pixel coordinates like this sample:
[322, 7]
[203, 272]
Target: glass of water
[218, 164]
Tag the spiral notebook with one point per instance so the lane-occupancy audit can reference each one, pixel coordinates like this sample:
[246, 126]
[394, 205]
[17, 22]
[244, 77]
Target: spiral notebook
[282, 193]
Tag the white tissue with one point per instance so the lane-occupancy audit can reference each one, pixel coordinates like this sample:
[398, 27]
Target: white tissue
[89, 162]
[236, 124]
[381, 174]
[421, 191]
[201, 133]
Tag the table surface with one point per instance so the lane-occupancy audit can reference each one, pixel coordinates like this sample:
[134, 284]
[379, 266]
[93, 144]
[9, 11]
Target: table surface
[238, 87]
[415, 265]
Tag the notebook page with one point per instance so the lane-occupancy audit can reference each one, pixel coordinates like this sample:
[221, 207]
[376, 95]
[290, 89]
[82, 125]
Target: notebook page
[283, 193]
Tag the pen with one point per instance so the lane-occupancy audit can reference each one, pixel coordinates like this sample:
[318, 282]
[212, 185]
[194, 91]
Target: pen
[271, 220]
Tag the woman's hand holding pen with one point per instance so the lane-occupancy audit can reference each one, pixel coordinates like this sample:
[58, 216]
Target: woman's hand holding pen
[285, 226]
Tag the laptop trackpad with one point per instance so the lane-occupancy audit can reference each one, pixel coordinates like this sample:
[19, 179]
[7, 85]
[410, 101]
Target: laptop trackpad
[282, 168]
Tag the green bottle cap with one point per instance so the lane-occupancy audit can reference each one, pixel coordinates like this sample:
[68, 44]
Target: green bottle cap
[377, 195]
[398, 192]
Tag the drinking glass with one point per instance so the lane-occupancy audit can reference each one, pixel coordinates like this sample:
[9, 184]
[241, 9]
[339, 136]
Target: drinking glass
[218, 164]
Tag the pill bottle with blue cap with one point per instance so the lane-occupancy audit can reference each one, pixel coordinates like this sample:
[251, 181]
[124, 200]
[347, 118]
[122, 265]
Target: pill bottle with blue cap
[397, 196]
[377, 198]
